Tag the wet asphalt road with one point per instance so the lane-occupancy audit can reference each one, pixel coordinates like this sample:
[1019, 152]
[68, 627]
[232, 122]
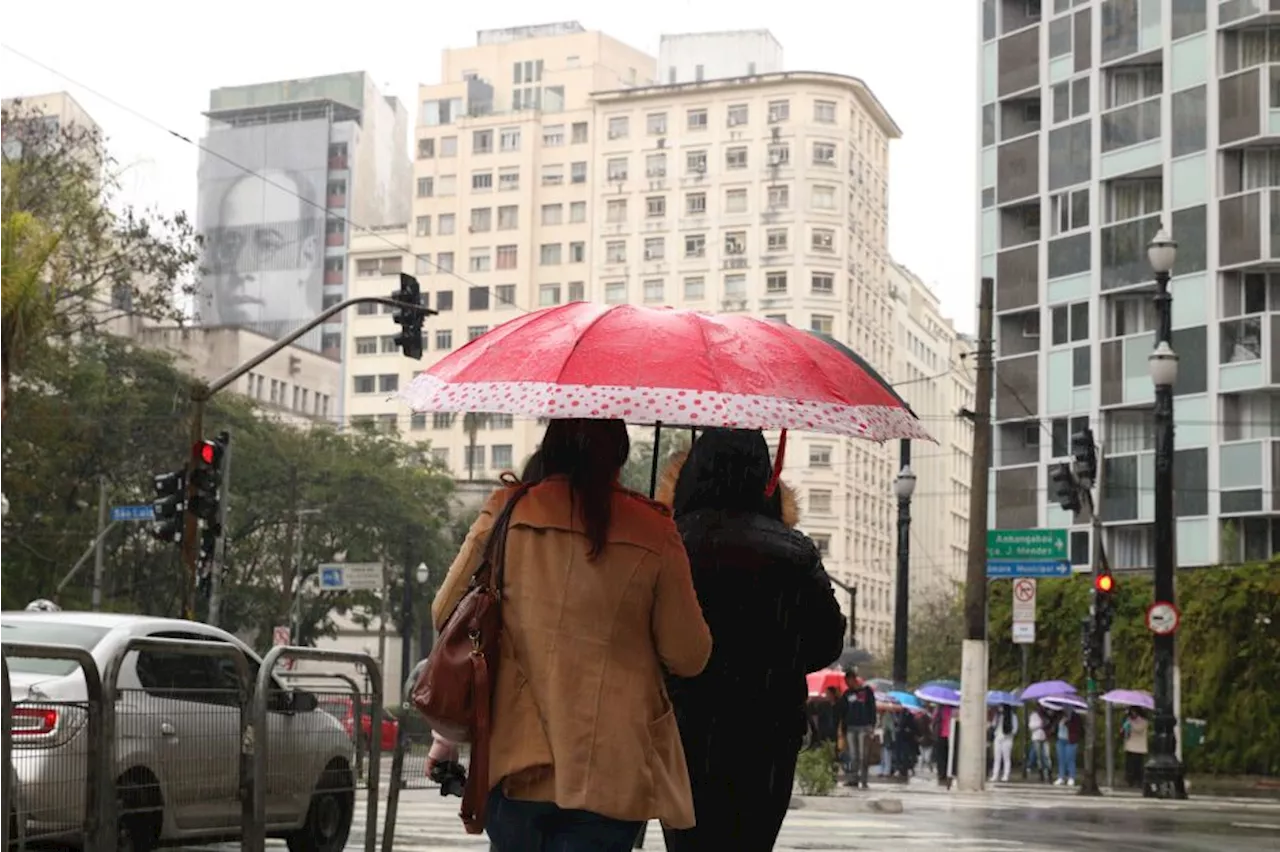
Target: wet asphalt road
[1000, 820]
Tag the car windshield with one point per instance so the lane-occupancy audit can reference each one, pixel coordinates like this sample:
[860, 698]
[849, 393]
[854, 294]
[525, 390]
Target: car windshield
[49, 632]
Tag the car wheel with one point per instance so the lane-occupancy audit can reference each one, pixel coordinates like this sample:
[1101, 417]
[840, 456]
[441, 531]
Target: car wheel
[330, 813]
[141, 812]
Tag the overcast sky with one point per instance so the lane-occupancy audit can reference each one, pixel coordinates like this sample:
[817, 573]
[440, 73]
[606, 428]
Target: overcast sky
[159, 61]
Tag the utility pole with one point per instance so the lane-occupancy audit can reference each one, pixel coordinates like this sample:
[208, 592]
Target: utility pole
[1086, 457]
[973, 663]
[852, 591]
[1108, 667]
[288, 571]
[406, 608]
[903, 486]
[220, 561]
[385, 602]
[99, 551]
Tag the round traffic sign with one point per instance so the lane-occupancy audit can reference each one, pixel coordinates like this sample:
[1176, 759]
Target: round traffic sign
[1024, 590]
[1163, 618]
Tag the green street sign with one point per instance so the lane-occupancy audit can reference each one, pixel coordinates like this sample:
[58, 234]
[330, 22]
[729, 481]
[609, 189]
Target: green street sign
[1027, 545]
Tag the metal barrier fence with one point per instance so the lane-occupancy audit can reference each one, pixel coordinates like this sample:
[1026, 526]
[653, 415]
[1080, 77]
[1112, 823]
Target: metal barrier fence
[40, 803]
[334, 704]
[336, 789]
[200, 742]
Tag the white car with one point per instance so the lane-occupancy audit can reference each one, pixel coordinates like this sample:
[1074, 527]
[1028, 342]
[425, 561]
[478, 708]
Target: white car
[177, 739]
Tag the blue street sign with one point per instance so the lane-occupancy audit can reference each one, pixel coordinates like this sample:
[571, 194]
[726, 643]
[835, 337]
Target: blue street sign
[1000, 569]
[331, 578]
[133, 513]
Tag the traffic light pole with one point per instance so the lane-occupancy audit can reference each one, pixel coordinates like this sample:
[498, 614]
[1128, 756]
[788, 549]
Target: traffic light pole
[201, 393]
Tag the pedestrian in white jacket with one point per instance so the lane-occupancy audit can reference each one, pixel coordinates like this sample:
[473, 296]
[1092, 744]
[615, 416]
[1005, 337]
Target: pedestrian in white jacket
[1005, 727]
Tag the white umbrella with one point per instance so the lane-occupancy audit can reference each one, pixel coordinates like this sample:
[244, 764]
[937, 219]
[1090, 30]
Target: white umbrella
[1060, 702]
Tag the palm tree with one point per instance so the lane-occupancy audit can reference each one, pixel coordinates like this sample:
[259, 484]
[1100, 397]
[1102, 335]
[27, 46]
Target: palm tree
[472, 423]
[27, 301]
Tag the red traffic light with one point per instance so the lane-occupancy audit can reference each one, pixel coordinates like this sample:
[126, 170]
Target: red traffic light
[207, 452]
[1105, 583]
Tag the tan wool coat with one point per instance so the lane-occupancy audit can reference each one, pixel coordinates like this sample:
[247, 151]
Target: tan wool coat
[581, 715]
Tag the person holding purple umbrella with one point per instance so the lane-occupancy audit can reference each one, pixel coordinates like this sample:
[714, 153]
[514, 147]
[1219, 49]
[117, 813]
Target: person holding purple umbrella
[1134, 731]
[1070, 732]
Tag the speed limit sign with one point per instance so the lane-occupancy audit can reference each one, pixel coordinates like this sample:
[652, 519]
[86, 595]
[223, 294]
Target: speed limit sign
[1163, 618]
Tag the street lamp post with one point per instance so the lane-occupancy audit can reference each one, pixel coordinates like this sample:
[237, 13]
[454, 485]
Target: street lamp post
[406, 613]
[903, 487]
[1163, 777]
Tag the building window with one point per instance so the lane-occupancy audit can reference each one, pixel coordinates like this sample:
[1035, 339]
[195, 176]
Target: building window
[552, 214]
[359, 384]
[776, 239]
[824, 198]
[695, 289]
[823, 543]
[615, 210]
[548, 295]
[775, 282]
[824, 240]
[655, 166]
[779, 197]
[444, 262]
[500, 455]
[824, 112]
[695, 162]
[448, 186]
[656, 207]
[505, 296]
[422, 226]
[482, 142]
[616, 169]
[481, 219]
[508, 218]
[820, 501]
[736, 115]
[388, 383]
[780, 154]
[735, 242]
[580, 133]
[426, 149]
[553, 136]
[578, 211]
[366, 345]
[387, 343]
[822, 283]
[577, 252]
[735, 286]
[444, 338]
[426, 187]
[655, 248]
[577, 291]
[696, 119]
[481, 181]
[442, 419]
[444, 300]
[446, 224]
[478, 299]
[653, 290]
[615, 251]
[481, 260]
[695, 203]
[819, 455]
[448, 146]
[695, 245]
[655, 123]
[735, 201]
[549, 254]
[824, 154]
[779, 111]
[509, 179]
[509, 139]
[615, 292]
[474, 331]
[735, 158]
[619, 127]
[821, 323]
[508, 257]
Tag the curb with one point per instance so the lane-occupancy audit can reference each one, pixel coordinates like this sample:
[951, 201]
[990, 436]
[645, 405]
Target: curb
[846, 804]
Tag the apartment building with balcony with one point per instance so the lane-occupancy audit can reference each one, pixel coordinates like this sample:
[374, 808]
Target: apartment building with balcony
[552, 167]
[1101, 121]
[934, 373]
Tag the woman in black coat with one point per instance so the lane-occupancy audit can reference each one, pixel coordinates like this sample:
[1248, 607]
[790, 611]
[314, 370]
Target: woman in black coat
[773, 618]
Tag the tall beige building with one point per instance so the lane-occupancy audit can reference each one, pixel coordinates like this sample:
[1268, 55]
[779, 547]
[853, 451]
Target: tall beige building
[551, 167]
[931, 365]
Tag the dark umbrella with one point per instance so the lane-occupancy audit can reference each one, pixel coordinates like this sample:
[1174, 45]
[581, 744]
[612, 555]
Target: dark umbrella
[853, 657]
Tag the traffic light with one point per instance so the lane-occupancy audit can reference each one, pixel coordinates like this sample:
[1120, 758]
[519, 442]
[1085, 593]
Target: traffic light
[169, 506]
[1085, 455]
[410, 321]
[1104, 586]
[206, 468]
[1090, 646]
[1062, 487]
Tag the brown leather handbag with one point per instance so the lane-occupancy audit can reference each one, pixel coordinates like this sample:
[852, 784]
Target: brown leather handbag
[454, 691]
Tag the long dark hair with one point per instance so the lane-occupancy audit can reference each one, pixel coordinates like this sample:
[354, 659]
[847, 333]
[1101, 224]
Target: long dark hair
[1006, 719]
[533, 473]
[589, 453]
[727, 469]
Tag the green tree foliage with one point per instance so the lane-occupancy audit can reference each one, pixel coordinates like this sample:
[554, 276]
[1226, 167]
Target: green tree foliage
[1228, 648]
[637, 471]
[934, 637]
[74, 256]
[109, 409]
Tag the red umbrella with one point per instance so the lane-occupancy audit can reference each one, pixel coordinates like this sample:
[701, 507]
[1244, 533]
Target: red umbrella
[660, 365]
[821, 680]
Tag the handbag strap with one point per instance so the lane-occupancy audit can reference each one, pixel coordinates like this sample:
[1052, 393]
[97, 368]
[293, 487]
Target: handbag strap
[493, 566]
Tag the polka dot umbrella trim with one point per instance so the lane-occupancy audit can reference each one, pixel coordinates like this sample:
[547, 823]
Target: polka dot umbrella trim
[661, 365]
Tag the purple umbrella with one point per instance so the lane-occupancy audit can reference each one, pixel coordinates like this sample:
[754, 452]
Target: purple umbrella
[1046, 688]
[1131, 698]
[1060, 702]
[934, 694]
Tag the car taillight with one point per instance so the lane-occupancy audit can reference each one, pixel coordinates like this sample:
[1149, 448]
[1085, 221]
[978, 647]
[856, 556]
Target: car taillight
[34, 721]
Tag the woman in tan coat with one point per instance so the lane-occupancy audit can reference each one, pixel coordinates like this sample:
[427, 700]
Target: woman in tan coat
[598, 604]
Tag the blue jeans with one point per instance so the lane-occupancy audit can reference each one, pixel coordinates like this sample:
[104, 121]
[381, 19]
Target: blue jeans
[517, 826]
[1066, 760]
